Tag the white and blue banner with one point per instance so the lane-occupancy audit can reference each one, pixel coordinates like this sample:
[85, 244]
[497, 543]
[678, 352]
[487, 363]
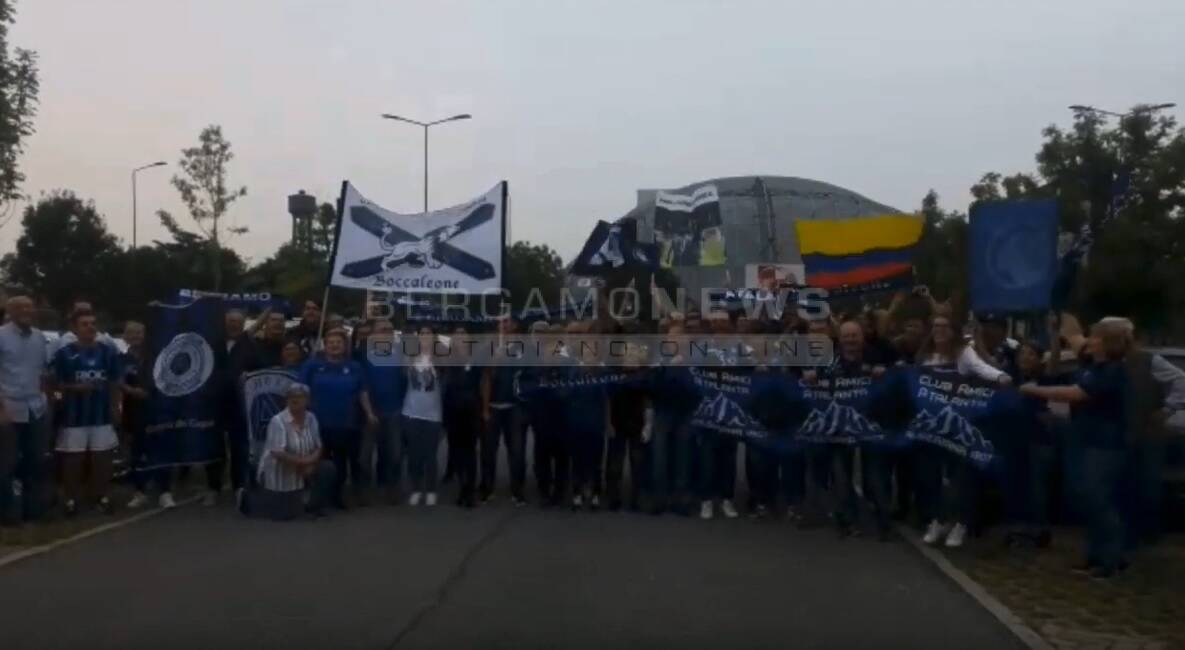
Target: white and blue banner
[187, 357]
[453, 250]
[839, 408]
[264, 395]
[959, 414]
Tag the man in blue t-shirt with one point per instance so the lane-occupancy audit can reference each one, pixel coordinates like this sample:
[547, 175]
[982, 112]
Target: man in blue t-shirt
[87, 374]
[387, 379]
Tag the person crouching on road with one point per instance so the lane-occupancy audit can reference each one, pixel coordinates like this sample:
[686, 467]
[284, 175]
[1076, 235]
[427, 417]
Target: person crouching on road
[293, 475]
[87, 374]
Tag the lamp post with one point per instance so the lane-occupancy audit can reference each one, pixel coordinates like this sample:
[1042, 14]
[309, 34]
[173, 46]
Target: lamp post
[425, 126]
[134, 172]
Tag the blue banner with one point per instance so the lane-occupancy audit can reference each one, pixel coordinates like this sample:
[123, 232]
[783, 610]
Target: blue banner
[251, 303]
[188, 357]
[1013, 251]
[959, 414]
[264, 395]
[839, 410]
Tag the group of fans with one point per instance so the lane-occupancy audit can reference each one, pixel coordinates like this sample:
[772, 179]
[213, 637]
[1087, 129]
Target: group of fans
[351, 427]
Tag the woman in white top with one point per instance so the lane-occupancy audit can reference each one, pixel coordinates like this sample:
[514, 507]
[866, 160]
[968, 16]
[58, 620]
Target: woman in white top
[293, 476]
[945, 347]
[422, 417]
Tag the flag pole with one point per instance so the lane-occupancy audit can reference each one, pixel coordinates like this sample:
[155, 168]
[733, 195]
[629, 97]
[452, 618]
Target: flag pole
[324, 308]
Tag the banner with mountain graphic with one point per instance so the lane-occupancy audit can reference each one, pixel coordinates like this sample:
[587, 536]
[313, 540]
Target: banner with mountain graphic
[959, 414]
[839, 409]
[754, 407]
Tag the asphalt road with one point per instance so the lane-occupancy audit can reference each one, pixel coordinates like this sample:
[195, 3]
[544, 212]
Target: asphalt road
[386, 577]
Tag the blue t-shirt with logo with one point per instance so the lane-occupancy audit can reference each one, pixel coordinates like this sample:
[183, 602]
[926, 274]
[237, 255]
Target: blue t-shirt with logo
[97, 365]
[335, 387]
[1101, 419]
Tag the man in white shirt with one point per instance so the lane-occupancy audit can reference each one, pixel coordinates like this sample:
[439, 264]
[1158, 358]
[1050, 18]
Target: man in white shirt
[24, 425]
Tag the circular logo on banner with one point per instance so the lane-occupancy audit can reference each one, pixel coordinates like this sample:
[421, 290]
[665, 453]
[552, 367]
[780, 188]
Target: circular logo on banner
[1013, 258]
[184, 365]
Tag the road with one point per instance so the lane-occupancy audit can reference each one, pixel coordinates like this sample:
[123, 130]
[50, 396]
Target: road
[495, 577]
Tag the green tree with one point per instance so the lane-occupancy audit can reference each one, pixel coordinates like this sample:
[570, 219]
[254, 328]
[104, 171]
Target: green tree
[204, 189]
[19, 87]
[533, 268]
[64, 253]
[939, 261]
[1138, 256]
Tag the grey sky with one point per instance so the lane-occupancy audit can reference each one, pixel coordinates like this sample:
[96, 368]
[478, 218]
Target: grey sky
[576, 103]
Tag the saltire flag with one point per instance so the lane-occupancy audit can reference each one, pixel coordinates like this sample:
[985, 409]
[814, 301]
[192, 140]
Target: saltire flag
[858, 254]
[1075, 257]
[964, 415]
[612, 247]
[688, 228]
[265, 393]
[1013, 251]
[454, 250]
[187, 352]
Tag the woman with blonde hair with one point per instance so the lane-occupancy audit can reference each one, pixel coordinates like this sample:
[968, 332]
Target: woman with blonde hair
[1098, 415]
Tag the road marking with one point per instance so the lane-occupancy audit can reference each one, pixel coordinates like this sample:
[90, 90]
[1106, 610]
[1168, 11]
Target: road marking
[1007, 617]
[90, 532]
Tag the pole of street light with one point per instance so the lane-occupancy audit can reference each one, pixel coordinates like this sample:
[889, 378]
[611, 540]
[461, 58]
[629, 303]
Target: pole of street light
[135, 171]
[426, 126]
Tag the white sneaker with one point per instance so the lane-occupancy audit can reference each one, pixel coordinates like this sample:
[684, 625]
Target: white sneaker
[414, 499]
[430, 500]
[210, 500]
[705, 510]
[139, 500]
[729, 510]
[935, 532]
[166, 501]
[957, 535]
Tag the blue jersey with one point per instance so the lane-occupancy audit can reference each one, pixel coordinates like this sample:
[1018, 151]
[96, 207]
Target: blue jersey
[97, 365]
[335, 388]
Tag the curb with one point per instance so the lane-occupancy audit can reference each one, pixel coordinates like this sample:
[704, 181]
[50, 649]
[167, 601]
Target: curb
[97, 530]
[1021, 630]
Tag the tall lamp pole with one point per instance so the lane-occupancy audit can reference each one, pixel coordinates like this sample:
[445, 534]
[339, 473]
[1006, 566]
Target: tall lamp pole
[425, 126]
[134, 172]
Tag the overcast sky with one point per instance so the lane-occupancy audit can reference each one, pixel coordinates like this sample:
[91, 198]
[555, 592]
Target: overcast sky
[576, 103]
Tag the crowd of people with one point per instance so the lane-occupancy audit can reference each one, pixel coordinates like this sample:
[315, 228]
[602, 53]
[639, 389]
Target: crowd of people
[351, 427]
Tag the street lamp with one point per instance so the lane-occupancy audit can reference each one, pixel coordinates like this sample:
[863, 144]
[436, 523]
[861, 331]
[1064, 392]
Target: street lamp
[425, 125]
[135, 171]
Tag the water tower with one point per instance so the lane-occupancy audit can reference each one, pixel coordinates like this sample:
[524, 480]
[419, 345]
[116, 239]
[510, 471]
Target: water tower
[303, 208]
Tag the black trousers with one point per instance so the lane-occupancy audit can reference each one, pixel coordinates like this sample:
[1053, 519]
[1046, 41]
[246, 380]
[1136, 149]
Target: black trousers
[553, 459]
[463, 429]
[236, 442]
[342, 447]
[627, 441]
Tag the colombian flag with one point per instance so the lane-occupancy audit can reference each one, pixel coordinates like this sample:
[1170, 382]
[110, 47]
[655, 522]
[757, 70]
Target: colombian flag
[858, 251]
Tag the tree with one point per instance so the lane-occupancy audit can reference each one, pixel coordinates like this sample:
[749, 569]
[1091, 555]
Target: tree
[533, 268]
[324, 230]
[19, 87]
[64, 252]
[203, 187]
[939, 259]
[1138, 256]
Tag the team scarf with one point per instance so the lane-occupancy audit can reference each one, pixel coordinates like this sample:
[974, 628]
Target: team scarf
[840, 406]
[965, 416]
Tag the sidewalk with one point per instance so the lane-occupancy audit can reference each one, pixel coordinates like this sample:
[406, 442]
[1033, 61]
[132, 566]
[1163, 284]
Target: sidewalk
[1144, 608]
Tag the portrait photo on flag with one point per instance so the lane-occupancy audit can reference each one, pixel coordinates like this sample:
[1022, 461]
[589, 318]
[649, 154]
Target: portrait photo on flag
[688, 228]
[452, 250]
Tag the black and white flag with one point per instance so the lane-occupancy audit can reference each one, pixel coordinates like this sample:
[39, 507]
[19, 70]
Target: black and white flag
[454, 250]
[613, 246]
[688, 228]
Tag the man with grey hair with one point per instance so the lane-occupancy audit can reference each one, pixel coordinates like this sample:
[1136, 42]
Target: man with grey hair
[24, 425]
[1156, 392]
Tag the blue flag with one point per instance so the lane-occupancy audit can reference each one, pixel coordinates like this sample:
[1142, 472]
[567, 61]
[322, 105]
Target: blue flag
[1013, 251]
[839, 410]
[188, 355]
[959, 414]
[264, 395]
[614, 246]
[251, 303]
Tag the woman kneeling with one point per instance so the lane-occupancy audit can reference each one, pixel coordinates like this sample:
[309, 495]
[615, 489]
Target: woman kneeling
[293, 478]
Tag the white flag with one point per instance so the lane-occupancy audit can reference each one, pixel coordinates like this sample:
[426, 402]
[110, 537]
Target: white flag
[454, 250]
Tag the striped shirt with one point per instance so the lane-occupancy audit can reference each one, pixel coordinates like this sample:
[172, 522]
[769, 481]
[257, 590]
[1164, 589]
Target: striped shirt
[284, 435]
[97, 365]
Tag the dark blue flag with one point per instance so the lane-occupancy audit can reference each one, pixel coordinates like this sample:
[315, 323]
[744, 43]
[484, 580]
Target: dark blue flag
[251, 303]
[1013, 251]
[614, 246]
[958, 413]
[840, 409]
[188, 357]
[264, 395]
